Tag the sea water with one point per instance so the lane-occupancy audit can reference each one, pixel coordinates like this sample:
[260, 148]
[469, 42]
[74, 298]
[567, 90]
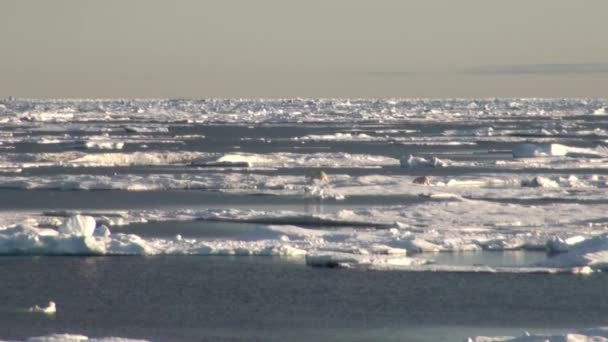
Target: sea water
[175, 298]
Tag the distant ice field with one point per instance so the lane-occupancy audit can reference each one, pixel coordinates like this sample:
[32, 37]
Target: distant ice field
[363, 182]
[436, 218]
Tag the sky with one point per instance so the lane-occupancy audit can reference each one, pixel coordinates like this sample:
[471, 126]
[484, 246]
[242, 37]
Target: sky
[305, 48]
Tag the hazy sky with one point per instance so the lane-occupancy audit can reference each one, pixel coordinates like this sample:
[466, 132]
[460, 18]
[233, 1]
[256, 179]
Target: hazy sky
[306, 48]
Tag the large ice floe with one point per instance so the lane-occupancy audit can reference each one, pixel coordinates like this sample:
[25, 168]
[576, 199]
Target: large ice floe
[381, 238]
[203, 159]
[489, 187]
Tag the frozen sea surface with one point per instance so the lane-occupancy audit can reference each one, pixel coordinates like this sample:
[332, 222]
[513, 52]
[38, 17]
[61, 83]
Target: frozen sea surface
[471, 192]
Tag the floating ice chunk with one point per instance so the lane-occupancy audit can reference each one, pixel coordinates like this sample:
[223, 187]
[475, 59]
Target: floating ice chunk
[386, 250]
[601, 111]
[582, 270]
[480, 132]
[442, 196]
[78, 225]
[540, 182]
[468, 183]
[234, 160]
[125, 159]
[417, 245]
[48, 141]
[339, 137]
[554, 150]
[413, 162]
[502, 244]
[539, 150]
[285, 250]
[559, 245]
[49, 310]
[242, 158]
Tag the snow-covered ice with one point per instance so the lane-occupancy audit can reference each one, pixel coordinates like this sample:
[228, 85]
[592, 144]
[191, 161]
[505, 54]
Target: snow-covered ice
[435, 176]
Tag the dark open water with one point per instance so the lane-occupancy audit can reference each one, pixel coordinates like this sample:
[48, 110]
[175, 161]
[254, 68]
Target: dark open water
[266, 299]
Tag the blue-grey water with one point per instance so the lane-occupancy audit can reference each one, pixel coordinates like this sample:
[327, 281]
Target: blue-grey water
[266, 299]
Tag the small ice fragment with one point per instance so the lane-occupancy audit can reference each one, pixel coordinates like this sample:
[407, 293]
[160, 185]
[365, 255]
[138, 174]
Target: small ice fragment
[49, 310]
[178, 237]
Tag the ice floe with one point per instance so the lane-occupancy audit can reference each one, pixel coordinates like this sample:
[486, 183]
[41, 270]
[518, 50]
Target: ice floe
[269, 160]
[50, 309]
[506, 186]
[555, 150]
[339, 137]
[373, 238]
